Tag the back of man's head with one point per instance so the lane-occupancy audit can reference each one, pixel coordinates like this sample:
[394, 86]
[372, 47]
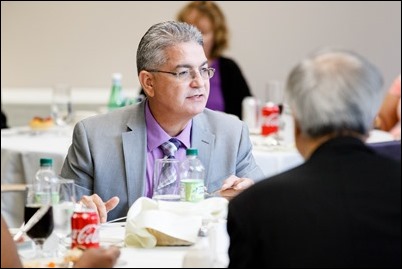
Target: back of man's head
[334, 91]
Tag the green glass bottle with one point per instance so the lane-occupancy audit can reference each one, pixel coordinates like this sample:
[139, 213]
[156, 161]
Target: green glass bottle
[116, 98]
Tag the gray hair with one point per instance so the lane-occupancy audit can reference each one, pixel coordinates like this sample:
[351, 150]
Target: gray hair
[151, 50]
[333, 92]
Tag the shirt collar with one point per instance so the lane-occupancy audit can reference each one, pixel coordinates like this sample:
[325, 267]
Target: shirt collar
[156, 135]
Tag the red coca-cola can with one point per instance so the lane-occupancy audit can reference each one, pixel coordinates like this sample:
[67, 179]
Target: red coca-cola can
[85, 229]
[270, 119]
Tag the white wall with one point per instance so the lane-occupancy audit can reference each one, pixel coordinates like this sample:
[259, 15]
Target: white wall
[83, 43]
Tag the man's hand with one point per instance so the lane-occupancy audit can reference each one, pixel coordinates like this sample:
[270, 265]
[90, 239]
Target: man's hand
[233, 185]
[95, 202]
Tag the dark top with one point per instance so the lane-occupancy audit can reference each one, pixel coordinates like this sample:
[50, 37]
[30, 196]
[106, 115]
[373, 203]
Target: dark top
[234, 86]
[3, 120]
[341, 208]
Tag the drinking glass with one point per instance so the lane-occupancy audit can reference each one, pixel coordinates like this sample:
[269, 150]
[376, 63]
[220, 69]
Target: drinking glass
[63, 209]
[61, 108]
[166, 180]
[274, 93]
[44, 227]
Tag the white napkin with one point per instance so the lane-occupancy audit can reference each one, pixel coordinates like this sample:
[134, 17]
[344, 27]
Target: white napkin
[179, 221]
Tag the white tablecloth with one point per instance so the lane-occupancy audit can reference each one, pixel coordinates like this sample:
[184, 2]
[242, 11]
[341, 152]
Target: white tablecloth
[277, 159]
[275, 162]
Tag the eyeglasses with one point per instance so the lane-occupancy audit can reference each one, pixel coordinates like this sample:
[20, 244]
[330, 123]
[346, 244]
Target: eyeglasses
[189, 74]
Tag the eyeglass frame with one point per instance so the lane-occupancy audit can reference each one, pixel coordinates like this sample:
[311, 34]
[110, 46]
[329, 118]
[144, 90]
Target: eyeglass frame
[182, 75]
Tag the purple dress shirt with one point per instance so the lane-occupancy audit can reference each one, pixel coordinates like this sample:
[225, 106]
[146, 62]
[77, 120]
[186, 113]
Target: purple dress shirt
[155, 137]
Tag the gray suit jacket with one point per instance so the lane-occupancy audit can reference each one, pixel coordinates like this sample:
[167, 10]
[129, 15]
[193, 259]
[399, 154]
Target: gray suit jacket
[108, 153]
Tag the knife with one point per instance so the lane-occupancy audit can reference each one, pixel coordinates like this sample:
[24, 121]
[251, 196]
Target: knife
[32, 221]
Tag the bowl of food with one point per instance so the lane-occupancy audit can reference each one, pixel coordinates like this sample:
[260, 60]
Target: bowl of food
[41, 124]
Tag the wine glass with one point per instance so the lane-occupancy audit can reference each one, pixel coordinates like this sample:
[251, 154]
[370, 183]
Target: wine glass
[44, 227]
[274, 93]
[63, 209]
[61, 107]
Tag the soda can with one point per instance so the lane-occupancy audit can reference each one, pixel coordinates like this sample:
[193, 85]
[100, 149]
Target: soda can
[85, 229]
[270, 119]
[250, 109]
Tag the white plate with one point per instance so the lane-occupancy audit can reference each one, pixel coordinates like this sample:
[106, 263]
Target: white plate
[44, 263]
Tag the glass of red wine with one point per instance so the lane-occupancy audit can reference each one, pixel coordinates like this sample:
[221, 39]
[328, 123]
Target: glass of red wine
[44, 227]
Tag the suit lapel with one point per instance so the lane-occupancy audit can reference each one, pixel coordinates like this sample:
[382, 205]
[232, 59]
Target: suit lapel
[203, 140]
[134, 148]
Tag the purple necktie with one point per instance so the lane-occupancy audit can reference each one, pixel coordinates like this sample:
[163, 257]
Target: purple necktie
[169, 173]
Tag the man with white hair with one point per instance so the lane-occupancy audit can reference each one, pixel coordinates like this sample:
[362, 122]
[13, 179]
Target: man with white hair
[342, 207]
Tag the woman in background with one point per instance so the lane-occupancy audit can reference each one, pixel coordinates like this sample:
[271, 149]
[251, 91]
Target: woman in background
[389, 117]
[228, 85]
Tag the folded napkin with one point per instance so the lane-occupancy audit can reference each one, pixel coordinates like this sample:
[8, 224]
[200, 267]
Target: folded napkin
[151, 223]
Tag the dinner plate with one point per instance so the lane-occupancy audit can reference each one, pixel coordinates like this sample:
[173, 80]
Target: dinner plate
[45, 263]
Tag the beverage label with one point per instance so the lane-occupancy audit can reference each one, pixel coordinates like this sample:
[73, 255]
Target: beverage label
[42, 198]
[192, 190]
[85, 230]
[55, 198]
[270, 119]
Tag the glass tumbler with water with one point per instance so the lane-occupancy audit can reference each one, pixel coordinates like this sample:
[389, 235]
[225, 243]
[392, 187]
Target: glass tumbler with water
[166, 180]
[63, 209]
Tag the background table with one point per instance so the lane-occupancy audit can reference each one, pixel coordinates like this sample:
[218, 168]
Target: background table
[21, 151]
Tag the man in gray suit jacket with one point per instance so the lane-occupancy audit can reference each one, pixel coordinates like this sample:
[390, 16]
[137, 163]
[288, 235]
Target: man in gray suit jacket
[112, 155]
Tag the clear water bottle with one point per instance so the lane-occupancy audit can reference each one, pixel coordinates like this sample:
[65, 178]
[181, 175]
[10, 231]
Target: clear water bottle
[116, 99]
[192, 176]
[45, 183]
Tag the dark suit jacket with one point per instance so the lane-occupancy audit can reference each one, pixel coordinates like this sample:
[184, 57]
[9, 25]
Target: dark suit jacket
[341, 208]
[234, 86]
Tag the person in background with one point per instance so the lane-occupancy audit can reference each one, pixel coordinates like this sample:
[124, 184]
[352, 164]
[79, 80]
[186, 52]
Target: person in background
[112, 155]
[92, 258]
[228, 85]
[389, 116]
[342, 207]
